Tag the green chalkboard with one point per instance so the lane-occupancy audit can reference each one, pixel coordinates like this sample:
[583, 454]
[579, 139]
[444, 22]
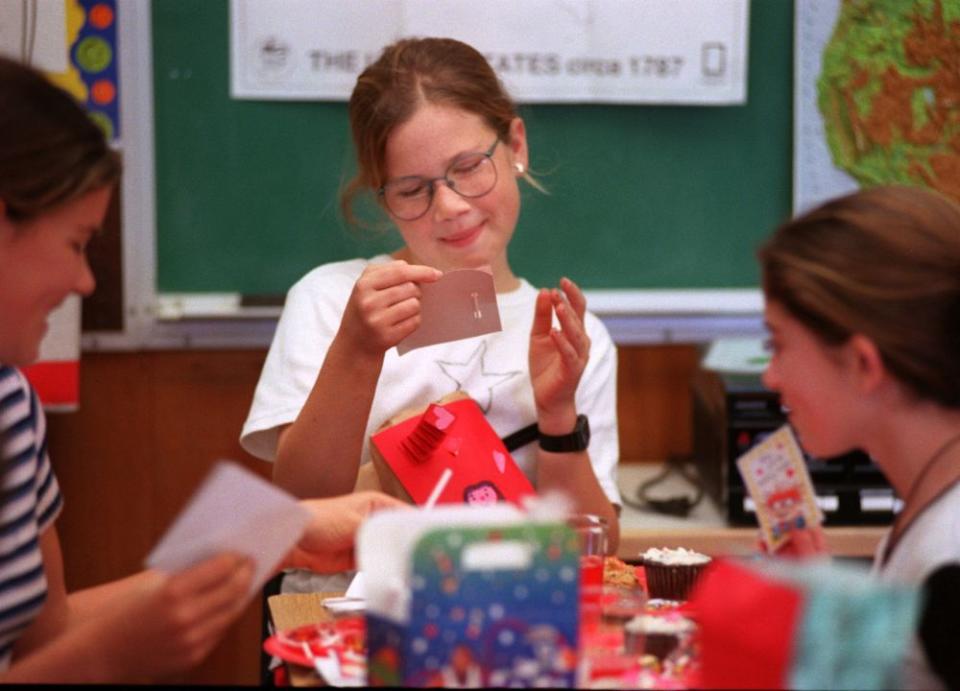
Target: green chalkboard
[640, 196]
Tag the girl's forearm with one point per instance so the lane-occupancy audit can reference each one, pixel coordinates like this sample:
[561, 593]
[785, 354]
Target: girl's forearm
[572, 474]
[319, 454]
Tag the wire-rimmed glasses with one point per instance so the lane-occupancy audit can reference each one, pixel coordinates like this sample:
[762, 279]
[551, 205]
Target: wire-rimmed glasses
[470, 175]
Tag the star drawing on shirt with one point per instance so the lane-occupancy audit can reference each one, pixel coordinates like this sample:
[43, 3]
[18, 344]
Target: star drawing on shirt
[459, 372]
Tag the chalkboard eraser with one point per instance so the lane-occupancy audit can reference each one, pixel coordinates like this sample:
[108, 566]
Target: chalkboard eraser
[179, 306]
[266, 300]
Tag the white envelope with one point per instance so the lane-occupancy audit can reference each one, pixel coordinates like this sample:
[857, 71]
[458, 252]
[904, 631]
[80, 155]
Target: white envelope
[234, 510]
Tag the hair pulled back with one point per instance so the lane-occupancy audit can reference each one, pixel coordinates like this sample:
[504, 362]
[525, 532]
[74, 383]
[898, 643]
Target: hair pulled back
[50, 150]
[883, 262]
[409, 73]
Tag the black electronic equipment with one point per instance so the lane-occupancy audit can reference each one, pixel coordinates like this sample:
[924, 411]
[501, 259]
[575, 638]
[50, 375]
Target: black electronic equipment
[732, 413]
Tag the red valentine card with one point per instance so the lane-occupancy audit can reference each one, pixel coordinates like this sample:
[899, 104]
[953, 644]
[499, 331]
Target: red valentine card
[450, 454]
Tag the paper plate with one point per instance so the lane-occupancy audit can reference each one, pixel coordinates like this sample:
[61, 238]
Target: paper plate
[342, 640]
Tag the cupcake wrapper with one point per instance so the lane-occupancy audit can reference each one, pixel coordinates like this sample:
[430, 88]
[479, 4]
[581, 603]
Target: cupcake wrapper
[660, 645]
[671, 582]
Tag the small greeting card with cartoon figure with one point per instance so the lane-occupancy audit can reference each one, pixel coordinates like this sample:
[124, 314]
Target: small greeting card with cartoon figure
[447, 454]
[779, 483]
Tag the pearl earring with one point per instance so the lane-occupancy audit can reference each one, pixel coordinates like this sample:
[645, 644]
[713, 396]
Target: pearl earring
[519, 167]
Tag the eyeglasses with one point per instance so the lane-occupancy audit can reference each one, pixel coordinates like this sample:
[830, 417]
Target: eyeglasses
[470, 175]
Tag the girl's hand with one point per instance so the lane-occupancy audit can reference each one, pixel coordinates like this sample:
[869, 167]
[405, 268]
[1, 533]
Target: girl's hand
[328, 541]
[803, 544]
[384, 307]
[558, 356]
[168, 623]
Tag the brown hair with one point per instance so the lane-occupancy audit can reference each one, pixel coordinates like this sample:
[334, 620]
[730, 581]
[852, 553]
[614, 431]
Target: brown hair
[407, 74]
[50, 151]
[882, 262]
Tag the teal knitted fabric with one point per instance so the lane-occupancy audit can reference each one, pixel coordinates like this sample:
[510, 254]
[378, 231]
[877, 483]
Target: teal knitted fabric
[854, 630]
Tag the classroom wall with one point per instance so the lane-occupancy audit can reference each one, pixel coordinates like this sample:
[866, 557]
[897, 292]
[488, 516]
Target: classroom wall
[660, 190]
[151, 424]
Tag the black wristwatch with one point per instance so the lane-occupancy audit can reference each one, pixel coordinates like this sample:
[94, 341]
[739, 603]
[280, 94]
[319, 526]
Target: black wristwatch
[577, 440]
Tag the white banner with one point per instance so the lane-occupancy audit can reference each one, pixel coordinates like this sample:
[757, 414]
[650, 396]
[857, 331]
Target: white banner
[35, 34]
[545, 51]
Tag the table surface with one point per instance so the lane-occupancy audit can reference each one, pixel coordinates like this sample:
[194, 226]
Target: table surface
[705, 529]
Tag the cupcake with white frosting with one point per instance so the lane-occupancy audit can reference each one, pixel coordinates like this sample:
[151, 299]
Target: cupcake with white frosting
[671, 573]
[656, 634]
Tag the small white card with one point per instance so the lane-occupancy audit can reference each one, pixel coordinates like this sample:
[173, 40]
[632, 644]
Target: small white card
[778, 480]
[460, 304]
[354, 600]
[234, 510]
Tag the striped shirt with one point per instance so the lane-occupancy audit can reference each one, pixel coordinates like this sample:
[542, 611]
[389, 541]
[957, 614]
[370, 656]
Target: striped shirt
[29, 502]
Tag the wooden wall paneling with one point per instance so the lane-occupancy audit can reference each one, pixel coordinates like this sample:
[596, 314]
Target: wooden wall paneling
[103, 457]
[202, 399]
[653, 400]
[103, 309]
[150, 426]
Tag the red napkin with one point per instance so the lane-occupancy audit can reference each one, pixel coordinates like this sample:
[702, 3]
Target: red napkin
[747, 627]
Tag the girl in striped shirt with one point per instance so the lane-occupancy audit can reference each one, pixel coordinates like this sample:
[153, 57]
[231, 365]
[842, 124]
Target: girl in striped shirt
[56, 177]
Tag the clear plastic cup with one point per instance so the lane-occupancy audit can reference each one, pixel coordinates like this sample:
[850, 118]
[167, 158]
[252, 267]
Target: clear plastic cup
[591, 531]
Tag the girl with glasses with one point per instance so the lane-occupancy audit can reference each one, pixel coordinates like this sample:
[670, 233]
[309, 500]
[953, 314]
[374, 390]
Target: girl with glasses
[441, 148]
[863, 307]
[57, 174]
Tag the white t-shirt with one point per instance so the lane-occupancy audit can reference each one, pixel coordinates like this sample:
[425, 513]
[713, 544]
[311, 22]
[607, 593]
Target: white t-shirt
[930, 542]
[492, 369]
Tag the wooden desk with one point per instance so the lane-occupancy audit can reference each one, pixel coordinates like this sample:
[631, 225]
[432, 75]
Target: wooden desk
[705, 530]
[291, 610]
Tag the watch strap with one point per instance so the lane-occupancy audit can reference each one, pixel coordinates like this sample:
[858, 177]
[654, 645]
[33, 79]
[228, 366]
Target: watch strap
[578, 440]
[521, 437]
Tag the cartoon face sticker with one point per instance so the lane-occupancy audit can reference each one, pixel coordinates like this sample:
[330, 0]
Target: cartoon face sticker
[483, 493]
[784, 503]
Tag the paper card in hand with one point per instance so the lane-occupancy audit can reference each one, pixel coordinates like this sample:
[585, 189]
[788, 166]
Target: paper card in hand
[234, 510]
[779, 484]
[415, 451]
[460, 304]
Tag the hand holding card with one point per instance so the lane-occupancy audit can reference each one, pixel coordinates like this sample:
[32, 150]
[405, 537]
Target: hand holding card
[461, 304]
[233, 511]
[777, 478]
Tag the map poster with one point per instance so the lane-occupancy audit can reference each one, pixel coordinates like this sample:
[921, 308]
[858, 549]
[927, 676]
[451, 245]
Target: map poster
[876, 88]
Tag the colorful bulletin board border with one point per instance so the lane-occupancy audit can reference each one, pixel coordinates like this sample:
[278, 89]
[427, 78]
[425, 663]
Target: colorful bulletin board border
[92, 76]
[94, 53]
[92, 37]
